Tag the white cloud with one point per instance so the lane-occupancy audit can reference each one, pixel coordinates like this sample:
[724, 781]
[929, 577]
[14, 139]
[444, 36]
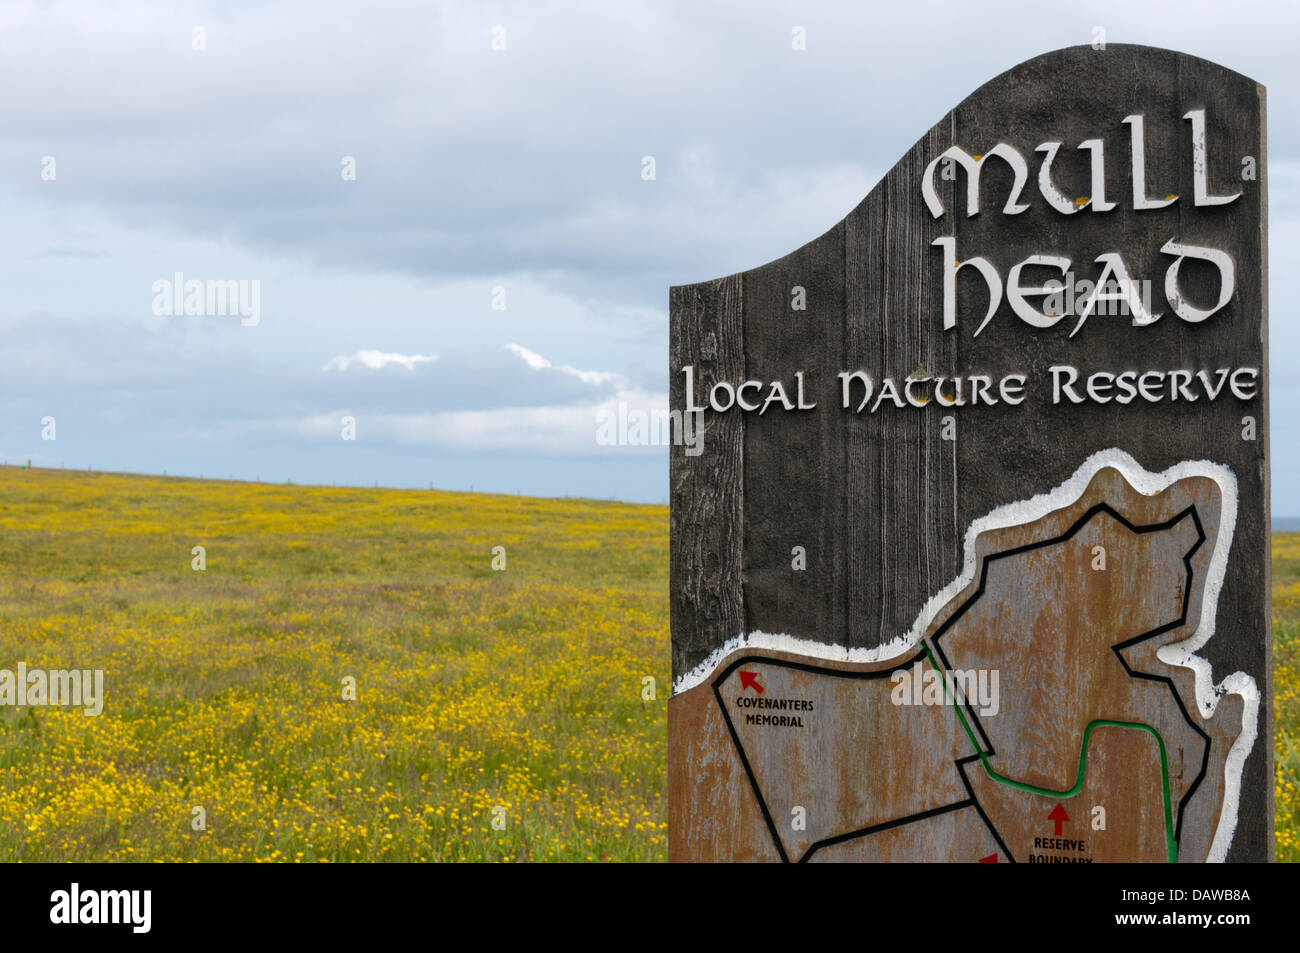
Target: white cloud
[377, 359]
[552, 430]
[539, 363]
[563, 419]
[531, 358]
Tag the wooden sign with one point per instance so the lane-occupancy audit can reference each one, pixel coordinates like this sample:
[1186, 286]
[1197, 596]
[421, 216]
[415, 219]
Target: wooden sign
[970, 552]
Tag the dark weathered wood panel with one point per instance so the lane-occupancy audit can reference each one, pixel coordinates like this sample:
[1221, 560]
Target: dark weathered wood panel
[900, 538]
[707, 490]
[792, 498]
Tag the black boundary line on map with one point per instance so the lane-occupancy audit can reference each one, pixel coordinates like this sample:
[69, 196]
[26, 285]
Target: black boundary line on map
[1118, 648]
[961, 772]
[753, 782]
[934, 641]
[887, 825]
[1119, 652]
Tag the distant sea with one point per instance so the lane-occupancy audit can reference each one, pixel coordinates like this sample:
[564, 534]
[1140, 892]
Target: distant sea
[1286, 524]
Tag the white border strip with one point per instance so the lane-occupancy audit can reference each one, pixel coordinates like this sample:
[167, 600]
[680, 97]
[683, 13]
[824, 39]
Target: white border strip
[1026, 511]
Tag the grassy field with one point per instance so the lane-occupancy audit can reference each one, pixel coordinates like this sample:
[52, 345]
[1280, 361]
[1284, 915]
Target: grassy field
[514, 695]
[1286, 689]
[476, 689]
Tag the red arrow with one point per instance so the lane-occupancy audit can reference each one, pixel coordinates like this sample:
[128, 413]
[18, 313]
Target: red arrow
[1058, 814]
[990, 859]
[750, 680]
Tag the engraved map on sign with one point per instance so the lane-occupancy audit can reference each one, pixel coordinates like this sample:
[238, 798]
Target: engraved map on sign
[1047, 707]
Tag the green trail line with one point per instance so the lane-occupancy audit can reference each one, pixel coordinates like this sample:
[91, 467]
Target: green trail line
[1171, 845]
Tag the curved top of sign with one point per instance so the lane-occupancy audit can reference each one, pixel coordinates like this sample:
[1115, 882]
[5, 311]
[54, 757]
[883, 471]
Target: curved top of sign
[1050, 94]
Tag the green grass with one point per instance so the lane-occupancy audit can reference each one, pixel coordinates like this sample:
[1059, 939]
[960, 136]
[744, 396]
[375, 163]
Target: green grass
[1286, 693]
[513, 696]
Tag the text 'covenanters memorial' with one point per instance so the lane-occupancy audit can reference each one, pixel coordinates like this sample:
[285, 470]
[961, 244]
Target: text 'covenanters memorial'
[974, 562]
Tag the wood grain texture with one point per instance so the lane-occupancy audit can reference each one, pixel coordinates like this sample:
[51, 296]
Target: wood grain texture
[900, 535]
[1123, 777]
[707, 491]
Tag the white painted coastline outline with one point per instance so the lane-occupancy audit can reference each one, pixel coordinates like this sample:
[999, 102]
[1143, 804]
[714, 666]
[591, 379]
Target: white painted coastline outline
[1026, 511]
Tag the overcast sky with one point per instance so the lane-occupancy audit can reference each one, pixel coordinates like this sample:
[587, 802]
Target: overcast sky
[475, 169]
